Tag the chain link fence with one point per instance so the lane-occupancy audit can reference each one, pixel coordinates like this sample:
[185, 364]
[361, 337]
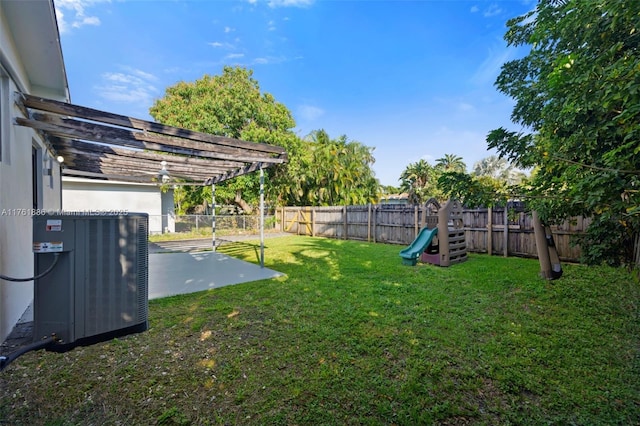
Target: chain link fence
[225, 224]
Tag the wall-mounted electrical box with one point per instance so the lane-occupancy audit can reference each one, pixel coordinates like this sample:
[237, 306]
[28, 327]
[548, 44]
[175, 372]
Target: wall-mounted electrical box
[99, 287]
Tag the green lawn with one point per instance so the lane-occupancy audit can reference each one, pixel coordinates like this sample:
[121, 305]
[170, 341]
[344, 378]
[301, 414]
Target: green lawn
[351, 336]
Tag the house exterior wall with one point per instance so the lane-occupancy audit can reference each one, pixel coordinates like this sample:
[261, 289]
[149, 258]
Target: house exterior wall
[17, 177]
[112, 197]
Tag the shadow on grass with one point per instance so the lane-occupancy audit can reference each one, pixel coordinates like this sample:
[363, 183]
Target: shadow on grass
[240, 249]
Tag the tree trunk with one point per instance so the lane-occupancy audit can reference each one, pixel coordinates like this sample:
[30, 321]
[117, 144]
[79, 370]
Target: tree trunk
[242, 203]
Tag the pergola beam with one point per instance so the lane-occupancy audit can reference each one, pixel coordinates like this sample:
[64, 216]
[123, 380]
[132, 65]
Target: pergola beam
[76, 146]
[67, 109]
[99, 144]
[140, 162]
[137, 140]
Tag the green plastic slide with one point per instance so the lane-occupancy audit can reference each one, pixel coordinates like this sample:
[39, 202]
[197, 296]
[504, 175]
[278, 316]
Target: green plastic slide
[411, 254]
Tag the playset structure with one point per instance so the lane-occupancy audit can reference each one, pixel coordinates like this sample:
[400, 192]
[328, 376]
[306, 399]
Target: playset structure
[441, 240]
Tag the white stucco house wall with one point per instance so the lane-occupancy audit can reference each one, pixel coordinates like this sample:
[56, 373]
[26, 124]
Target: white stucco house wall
[30, 178]
[81, 194]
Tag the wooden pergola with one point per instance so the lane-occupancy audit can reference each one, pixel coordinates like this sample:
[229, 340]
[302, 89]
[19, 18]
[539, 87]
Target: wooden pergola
[102, 145]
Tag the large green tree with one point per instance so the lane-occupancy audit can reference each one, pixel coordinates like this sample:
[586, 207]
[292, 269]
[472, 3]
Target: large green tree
[232, 105]
[320, 170]
[577, 95]
[332, 172]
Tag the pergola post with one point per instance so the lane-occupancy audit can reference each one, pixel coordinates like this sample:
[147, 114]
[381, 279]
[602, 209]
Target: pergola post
[261, 216]
[213, 216]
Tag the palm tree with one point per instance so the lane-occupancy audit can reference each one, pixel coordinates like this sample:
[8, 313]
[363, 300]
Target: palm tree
[451, 163]
[339, 171]
[418, 180]
[318, 136]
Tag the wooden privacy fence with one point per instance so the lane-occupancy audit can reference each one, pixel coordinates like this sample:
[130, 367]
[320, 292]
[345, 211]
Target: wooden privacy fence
[507, 232]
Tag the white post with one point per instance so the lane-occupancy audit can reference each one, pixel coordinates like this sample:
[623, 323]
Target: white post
[213, 216]
[261, 217]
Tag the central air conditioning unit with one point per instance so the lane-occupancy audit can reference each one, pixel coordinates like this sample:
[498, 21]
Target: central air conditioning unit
[98, 288]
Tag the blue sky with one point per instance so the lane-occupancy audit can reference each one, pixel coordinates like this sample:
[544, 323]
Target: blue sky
[413, 79]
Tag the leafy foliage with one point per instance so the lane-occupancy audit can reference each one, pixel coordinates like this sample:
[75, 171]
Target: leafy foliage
[231, 105]
[493, 181]
[498, 168]
[451, 163]
[475, 191]
[225, 105]
[320, 171]
[419, 180]
[577, 92]
[332, 172]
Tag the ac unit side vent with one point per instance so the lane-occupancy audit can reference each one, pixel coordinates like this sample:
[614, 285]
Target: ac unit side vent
[142, 269]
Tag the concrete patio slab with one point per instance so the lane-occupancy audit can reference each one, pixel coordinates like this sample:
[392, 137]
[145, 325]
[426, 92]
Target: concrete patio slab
[180, 273]
[176, 267]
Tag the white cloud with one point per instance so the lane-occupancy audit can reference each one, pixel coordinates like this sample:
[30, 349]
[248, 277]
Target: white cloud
[310, 112]
[77, 16]
[271, 26]
[87, 20]
[490, 68]
[234, 56]
[228, 30]
[222, 45]
[132, 86]
[492, 10]
[290, 3]
[474, 9]
[465, 107]
[266, 60]
[452, 105]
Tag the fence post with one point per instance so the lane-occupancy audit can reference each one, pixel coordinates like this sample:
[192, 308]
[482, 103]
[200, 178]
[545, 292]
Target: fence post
[375, 220]
[369, 224]
[285, 211]
[415, 220]
[505, 237]
[344, 212]
[313, 221]
[490, 231]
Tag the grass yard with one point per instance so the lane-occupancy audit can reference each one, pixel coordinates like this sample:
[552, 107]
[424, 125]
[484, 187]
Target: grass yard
[351, 336]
